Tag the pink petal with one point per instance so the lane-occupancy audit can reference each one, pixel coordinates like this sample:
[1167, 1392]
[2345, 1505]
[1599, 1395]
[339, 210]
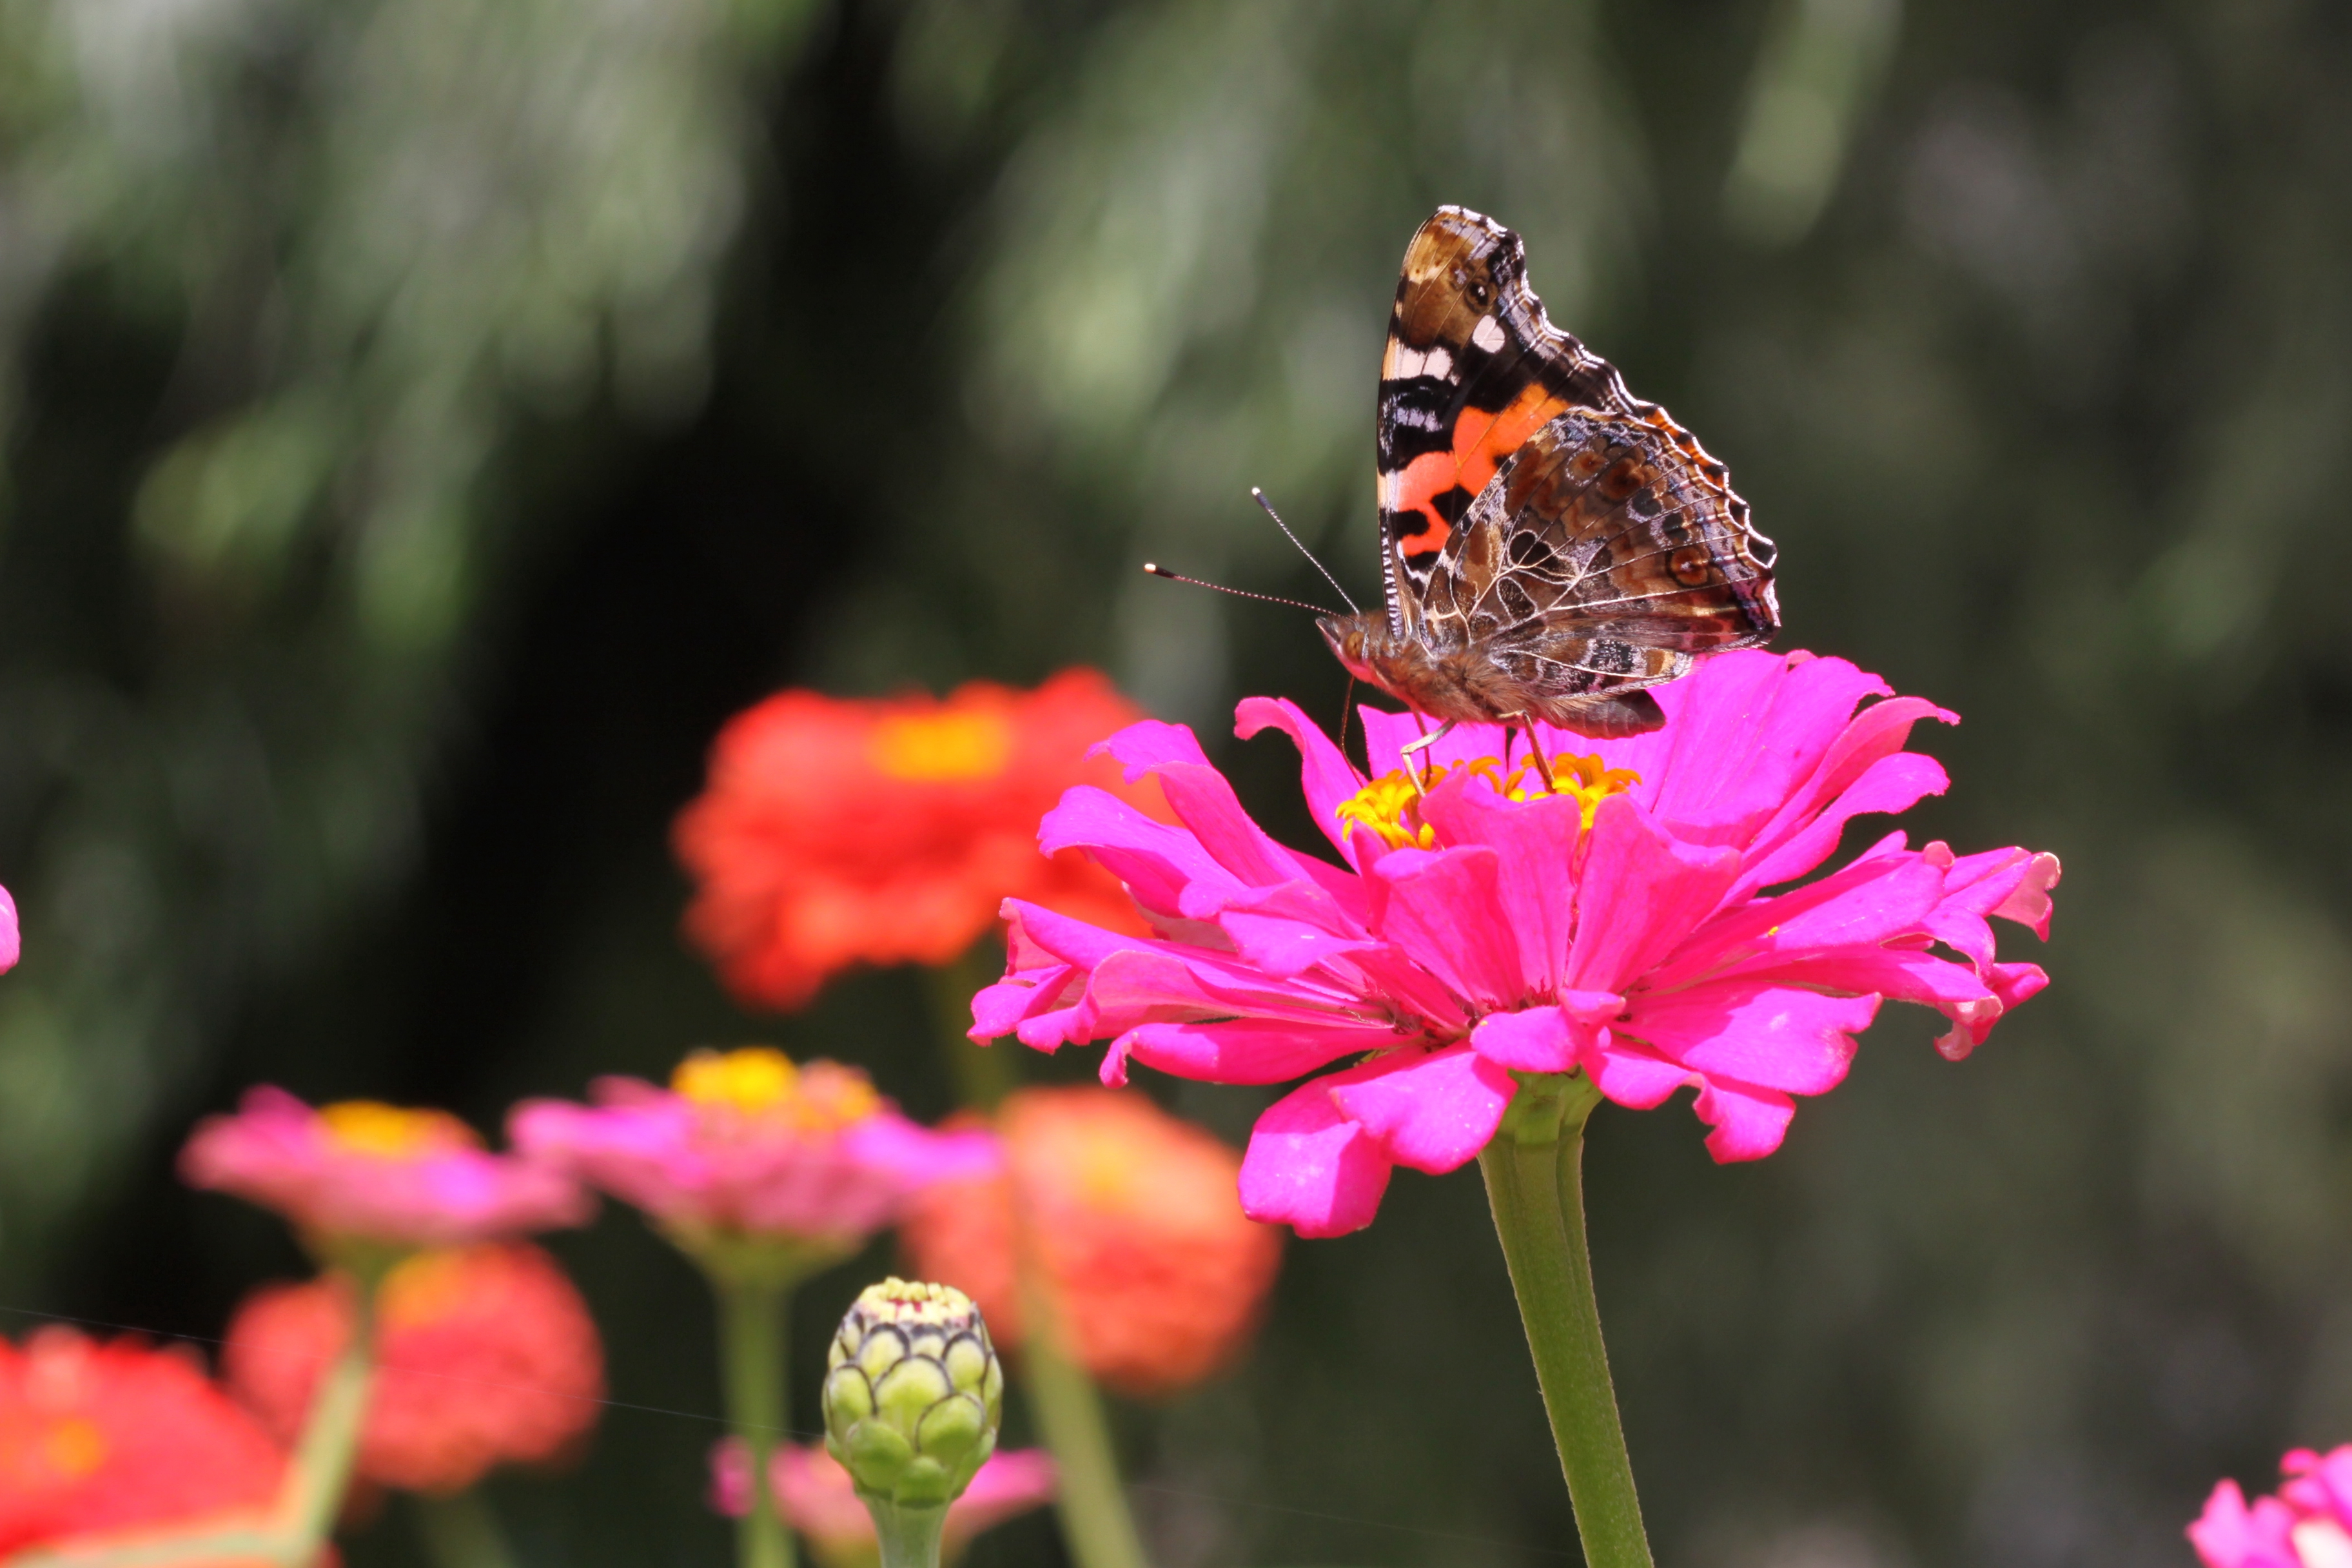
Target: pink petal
[1644, 891]
[1535, 886]
[11, 936]
[1888, 894]
[1203, 802]
[2014, 883]
[1891, 784]
[1971, 1021]
[1744, 732]
[2231, 1535]
[1632, 1075]
[2323, 1484]
[1310, 1168]
[1775, 1038]
[1156, 861]
[1748, 1121]
[2029, 903]
[1241, 1050]
[1442, 910]
[1545, 1039]
[1325, 775]
[1146, 746]
[1432, 1112]
[1805, 828]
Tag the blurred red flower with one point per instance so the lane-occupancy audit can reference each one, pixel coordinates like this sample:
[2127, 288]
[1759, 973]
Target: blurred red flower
[835, 832]
[107, 1435]
[485, 1355]
[1133, 1220]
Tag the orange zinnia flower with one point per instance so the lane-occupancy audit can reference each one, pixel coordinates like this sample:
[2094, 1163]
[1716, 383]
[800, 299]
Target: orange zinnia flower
[106, 1437]
[834, 832]
[1133, 1222]
[485, 1355]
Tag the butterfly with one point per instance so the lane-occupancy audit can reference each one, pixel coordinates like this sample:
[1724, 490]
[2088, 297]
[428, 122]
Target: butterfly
[1550, 545]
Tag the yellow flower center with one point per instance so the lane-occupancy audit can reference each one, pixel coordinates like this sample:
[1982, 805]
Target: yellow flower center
[1108, 1167]
[1391, 806]
[393, 1133]
[74, 1446]
[759, 1083]
[943, 748]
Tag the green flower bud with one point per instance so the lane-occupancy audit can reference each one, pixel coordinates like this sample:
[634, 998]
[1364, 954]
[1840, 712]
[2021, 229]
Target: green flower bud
[912, 1394]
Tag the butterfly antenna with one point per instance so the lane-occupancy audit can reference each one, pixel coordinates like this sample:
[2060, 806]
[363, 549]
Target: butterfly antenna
[1158, 571]
[1259, 495]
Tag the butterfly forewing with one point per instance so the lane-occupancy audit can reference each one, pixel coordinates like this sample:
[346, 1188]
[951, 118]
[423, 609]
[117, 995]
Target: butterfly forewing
[1473, 368]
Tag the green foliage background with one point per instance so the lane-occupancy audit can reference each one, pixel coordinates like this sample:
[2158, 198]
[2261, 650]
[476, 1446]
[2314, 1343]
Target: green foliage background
[426, 419]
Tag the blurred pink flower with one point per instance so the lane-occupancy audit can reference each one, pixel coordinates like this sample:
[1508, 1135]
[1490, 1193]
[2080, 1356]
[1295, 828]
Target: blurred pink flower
[12, 945]
[745, 1142]
[363, 1171]
[817, 1498]
[2307, 1525]
[1620, 926]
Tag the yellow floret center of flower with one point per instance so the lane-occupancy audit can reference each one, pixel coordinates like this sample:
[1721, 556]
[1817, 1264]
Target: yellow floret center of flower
[1108, 1169]
[74, 1446]
[392, 1131]
[761, 1082]
[1390, 804]
[422, 1288]
[943, 748]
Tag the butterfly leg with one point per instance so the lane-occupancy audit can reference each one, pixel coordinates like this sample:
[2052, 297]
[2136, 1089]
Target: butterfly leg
[1534, 749]
[1418, 772]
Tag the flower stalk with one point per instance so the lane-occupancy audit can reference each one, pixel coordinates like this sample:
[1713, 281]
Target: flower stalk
[753, 1311]
[321, 1471]
[1534, 1184]
[462, 1531]
[1092, 1502]
[911, 1536]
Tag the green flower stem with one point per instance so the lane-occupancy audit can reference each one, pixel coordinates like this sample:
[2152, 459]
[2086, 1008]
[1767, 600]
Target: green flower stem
[751, 1313]
[462, 1532]
[1534, 1184]
[909, 1536]
[321, 1471]
[1092, 1504]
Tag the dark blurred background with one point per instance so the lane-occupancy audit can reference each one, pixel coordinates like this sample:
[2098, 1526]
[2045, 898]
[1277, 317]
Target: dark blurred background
[425, 420]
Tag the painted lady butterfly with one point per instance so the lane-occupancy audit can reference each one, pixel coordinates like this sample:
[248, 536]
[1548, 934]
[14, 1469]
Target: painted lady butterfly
[1550, 544]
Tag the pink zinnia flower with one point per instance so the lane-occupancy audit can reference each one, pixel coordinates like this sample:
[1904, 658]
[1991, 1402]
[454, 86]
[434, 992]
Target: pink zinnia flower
[748, 1143]
[363, 1171]
[1620, 926]
[817, 1498]
[2307, 1525]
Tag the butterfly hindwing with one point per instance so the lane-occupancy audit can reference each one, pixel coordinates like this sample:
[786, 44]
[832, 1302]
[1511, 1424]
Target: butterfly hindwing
[1600, 558]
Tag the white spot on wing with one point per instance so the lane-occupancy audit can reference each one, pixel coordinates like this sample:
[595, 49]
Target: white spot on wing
[1438, 362]
[1406, 361]
[1487, 334]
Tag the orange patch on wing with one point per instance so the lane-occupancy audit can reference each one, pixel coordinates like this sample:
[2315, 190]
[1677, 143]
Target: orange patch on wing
[1481, 443]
